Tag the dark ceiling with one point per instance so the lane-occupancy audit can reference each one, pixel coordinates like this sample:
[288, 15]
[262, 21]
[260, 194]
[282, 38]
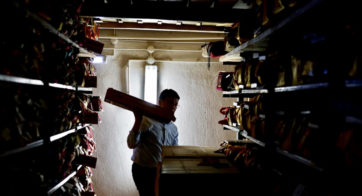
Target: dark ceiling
[192, 10]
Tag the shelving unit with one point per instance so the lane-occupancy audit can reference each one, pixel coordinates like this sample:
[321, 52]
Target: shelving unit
[33, 168]
[278, 150]
[260, 39]
[51, 29]
[306, 125]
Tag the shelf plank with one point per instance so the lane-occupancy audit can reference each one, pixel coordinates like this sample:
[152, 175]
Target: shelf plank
[41, 142]
[245, 134]
[65, 180]
[237, 93]
[254, 91]
[234, 93]
[65, 133]
[301, 87]
[278, 150]
[353, 120]
[27, 81]
[353, 83]
[231, 128]
[299, 159]
[24, 148]
[253, 42]
[20, 80]
[295, 88]
[72, 88]
[85, 90]
[51, 29]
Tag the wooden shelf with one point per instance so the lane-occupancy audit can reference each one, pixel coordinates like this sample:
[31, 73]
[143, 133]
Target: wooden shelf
[257, 44]
[41, 142]
[254, 91]
[294, 157]
[353, 83]
[65, 133]
[232, 128]
[27, 81]
[235, 93]
[65, 180]
[353, 120]
[51, 29]
[245, 134]
[299, 159]
[72, 88]
[301, 87]
[20, 80]
[24, 148]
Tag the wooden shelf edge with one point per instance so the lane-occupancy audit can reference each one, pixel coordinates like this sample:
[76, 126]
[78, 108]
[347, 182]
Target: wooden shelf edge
[65, 180]
[353, 83]
[231, 128]
[299, 159]
[20, 80]
[41, 142]
[36, 82]
[24, 148]
[245, 134]
[65, 133]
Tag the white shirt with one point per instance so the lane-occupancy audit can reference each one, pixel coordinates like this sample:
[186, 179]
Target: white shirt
[147, 143]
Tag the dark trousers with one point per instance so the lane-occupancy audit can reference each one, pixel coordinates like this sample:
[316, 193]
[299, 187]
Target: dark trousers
[144, 178]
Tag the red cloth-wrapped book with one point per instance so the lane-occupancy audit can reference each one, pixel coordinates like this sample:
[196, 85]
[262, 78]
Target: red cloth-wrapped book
[134, 104]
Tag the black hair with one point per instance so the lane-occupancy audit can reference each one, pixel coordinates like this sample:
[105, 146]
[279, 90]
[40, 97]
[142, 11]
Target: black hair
[168, 93]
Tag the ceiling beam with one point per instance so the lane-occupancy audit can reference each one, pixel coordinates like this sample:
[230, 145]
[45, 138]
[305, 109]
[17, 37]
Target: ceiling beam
[162, 27]
[157, 46]
[157, 35]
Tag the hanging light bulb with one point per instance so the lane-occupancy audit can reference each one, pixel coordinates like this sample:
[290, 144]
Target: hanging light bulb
[150, 60]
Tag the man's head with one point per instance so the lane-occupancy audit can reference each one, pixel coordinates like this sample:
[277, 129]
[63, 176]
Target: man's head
[168, 99]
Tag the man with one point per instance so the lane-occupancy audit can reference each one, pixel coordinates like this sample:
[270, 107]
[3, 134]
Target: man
[147, 138]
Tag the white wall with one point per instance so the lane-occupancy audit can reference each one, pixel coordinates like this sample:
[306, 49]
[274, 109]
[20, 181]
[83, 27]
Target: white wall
[197, 116]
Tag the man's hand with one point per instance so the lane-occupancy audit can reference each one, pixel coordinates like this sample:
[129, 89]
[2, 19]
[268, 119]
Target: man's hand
[138, 119]
[137, 115]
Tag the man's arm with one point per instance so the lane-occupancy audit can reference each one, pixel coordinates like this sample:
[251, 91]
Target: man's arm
[133, 136]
